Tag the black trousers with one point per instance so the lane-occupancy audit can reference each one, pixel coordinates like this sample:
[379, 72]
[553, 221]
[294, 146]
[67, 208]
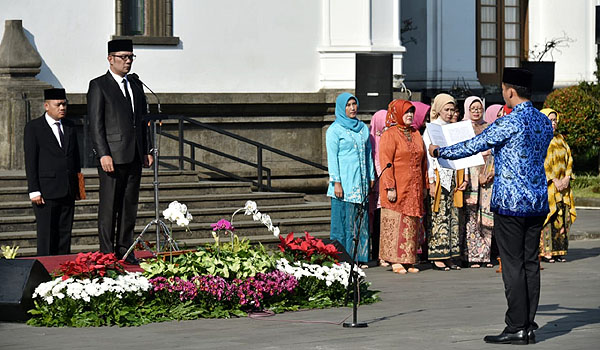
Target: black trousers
[117, 208]
[518, 241]
[54, 221]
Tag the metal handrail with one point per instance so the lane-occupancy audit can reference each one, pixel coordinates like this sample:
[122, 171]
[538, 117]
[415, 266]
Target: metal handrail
[259, 153]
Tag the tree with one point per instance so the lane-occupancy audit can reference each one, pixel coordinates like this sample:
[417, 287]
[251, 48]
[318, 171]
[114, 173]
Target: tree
[579, 108]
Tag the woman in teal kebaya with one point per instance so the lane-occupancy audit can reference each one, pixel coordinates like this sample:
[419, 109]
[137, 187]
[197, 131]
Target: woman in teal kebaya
[351, 175]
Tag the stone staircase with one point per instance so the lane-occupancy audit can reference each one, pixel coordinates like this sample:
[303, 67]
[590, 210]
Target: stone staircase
[208, 201]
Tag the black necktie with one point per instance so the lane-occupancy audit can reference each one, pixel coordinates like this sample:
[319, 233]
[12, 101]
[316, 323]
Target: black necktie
[61, 136]
[128, 96]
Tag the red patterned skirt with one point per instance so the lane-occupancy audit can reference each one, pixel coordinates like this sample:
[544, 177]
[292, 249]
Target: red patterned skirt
[399, 235]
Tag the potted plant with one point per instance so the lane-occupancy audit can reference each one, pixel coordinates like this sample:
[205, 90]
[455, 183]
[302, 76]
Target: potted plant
[543, 71]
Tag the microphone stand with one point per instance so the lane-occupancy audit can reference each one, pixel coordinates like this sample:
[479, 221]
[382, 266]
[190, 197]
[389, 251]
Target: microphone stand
[160, 225]
[353, 277]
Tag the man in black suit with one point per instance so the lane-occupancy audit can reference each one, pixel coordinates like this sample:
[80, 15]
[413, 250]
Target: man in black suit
[51, 165]
[116, 105]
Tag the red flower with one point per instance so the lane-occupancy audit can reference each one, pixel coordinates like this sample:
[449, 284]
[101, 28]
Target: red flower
[308, 248]
[90, 265]
[285, 242]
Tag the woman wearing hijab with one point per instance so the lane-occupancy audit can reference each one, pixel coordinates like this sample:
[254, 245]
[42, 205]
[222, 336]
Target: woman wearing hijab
[351, 174]
[421, 111]
[478, 217]
[376, 129]
[559, 169]
[402, 187]
[493, 112]
[446, 186]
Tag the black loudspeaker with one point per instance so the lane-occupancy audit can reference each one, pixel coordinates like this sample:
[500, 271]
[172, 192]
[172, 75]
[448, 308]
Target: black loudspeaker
[344, 256]
[18, 280]
[374, 81]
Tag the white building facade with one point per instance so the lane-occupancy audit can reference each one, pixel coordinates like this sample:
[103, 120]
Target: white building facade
[234, 46]
[289, 46]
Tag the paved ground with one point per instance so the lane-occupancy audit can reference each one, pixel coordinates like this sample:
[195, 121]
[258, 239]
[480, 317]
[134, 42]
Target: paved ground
[430, 310]
[587, 224]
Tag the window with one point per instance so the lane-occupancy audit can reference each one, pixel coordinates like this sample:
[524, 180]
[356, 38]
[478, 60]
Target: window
[500, 32]
[145, 22]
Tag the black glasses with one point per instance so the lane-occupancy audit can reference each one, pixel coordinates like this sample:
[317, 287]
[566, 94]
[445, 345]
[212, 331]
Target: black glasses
[125, 57]
[476, 109]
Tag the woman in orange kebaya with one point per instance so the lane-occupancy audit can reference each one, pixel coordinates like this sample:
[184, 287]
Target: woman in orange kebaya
[402, 187]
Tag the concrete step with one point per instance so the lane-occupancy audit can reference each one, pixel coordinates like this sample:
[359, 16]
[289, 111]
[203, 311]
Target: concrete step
[17, 178]
[147, 189]
[203, 230]
[24, 208]
[269, 241]
[88, 220]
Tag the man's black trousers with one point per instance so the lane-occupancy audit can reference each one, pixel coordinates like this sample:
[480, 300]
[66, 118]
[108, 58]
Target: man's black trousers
[519, 243]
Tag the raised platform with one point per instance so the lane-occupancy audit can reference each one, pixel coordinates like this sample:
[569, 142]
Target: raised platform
[52, 263]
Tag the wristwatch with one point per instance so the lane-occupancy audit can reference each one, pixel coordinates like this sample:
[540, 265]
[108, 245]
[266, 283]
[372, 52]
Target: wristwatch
[436, 152]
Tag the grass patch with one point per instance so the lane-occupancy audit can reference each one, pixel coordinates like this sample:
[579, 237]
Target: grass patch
[586, 186]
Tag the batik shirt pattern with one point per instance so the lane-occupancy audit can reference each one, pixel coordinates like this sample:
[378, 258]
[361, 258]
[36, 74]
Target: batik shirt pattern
[520, 141]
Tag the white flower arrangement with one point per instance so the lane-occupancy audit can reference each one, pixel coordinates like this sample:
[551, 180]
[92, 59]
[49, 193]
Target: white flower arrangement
[250, 208]
[85, 289]
[336, 273]
[178, 213]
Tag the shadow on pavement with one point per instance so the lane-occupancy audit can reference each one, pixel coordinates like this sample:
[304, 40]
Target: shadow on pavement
[570, 318]
[581, 253]
[384, 318]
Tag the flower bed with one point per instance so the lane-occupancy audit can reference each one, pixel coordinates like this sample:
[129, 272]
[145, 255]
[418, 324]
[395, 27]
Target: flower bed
[219, 280]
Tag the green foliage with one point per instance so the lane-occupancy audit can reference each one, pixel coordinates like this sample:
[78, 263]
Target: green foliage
[168, 307]
[238, 260]
[579, 108]
[129, 311]
[585, 181]
[586, 186]
[105, 310]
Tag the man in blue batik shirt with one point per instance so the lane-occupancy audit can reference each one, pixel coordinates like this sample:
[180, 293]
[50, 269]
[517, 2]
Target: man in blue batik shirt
[519, 199]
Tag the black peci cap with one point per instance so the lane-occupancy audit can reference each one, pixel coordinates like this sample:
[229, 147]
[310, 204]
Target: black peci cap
[518, 77]
[55, 94]
[120, 45]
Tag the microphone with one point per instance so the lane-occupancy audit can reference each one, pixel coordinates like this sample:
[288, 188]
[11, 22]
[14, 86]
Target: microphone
[388, 165]
[136, 78]
[372, 190]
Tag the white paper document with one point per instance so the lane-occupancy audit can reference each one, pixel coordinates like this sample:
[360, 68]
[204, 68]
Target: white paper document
[448, 135]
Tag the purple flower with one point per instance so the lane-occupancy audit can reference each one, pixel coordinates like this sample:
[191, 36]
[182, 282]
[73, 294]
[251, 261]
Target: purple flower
[250, 292]
[222, 225]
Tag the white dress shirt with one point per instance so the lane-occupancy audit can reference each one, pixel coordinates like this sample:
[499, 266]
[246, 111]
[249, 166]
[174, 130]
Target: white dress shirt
[119, 80]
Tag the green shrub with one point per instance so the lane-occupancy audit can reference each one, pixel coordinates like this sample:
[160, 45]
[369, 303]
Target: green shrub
[579, 108]
[240, 260]
[585, 181]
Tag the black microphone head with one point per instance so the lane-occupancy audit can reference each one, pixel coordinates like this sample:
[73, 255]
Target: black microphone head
[389, 165]
[134, 76]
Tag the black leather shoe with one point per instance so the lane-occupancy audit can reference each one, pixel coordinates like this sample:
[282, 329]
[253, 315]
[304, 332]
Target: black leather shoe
[132, 260]
[531, 337]
[518, 338]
